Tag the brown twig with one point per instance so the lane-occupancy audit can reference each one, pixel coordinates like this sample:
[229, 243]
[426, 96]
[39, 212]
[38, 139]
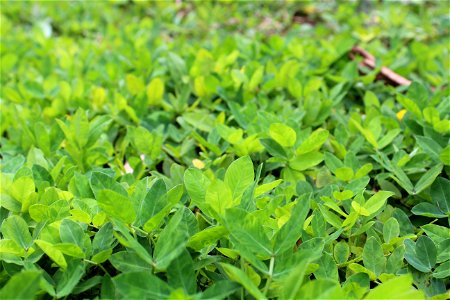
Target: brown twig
[385, 73]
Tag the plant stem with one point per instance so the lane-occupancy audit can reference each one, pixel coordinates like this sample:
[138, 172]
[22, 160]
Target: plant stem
[269, 280]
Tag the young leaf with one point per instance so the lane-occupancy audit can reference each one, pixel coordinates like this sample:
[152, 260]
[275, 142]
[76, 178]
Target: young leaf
[313, 142]
[282, 134]
[239, 176]
[377, 201]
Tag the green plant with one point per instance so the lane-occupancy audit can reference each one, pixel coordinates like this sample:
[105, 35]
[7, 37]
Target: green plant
[210, 151]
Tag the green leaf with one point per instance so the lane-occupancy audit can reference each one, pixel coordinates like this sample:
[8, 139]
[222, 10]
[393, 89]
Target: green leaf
[100, 181]
[427, 179]
[327, 268]
[421, 255]
[391, 229]
[282, 134]
[173, 197]
[388, 138]
[344, 173]
[16, 229]
[429, 146]
[291, 231]
[206, 237]
[129, 241]
[341, 252]
[245, 230]
[368, 135]
[22, 286]
[397, 288]
[313, 142]
[103, 238]
[116, 205]
[153, 202]
[320, 289]
[306, 161]
[196, 185]
[410, 105]
[125, 262]
[71, 232]
[70, 249]
[293, 281]
[240, 277]
[69, 278]
[373, 256]
[155, 91]
[219, 197]
[55, 254]
[181, 273]
[239, 176]
[141, 285]
[274, 148]
[135, 85]
[22, 188]
[395, 260]
[428, 210]
[171, 241]
[377, 201]
[440, 194]
[442, 271]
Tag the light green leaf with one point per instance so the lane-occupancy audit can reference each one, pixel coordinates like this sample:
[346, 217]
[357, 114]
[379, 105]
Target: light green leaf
[282, 134]
[155, 91]
[306, 161]
[344, 173]
[16, 229]
[219, 197]
[55, 254]
[116, 205]
[206, 237]
[313, 142]
[239, 176]
[22, 286]
[397, 288]
[377, 201]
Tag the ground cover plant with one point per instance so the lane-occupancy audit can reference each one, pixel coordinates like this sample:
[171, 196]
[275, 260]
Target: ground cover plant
[212, 150]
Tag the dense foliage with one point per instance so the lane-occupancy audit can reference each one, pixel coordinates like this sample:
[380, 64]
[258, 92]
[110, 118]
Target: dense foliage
[210, 150]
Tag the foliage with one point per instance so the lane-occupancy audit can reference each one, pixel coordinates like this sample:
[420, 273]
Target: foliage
[209, 150]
